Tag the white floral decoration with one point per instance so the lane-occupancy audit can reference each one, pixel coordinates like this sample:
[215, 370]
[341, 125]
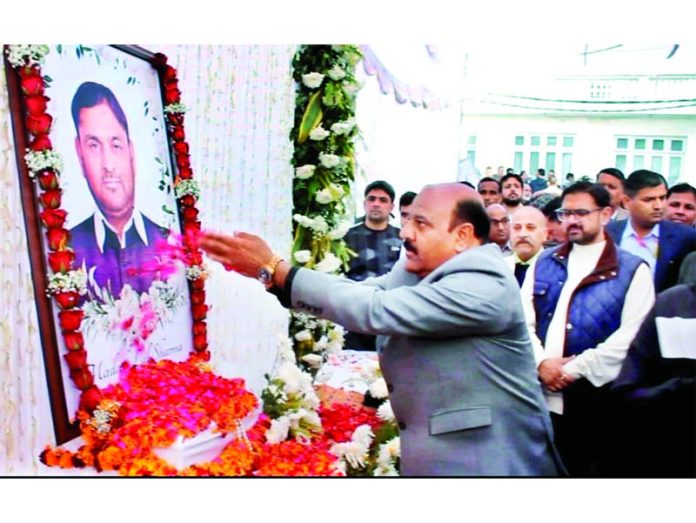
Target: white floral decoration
[312, 80]
[378, 389]
[132, 317]
[278, 431]
[343, 127]
[304, 335]
[313, 360]
[24, 54]
[318, 134]
[330, 194]
[340, 230]
[302, 256]
[305, 171]
[186, 187]
[71, 281]
[329, 264]
[37, 161]
[195, 272]
[319, 225]
[355, 451]
[329, 160]
[389, 452]
[385, 412]
[175, 108]
[336, 73]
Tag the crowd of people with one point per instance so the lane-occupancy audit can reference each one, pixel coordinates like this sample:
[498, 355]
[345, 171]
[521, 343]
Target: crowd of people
[547, 334]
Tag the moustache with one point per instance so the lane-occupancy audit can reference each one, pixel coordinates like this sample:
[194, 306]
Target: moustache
[409, 247]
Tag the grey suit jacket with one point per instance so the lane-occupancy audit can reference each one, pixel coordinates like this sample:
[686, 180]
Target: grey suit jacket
[457, 359]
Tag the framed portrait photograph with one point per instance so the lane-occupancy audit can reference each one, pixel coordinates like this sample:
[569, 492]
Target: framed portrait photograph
[117, 187]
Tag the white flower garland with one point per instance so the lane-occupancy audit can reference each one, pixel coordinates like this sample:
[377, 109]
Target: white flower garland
[71, 281]
[21, 55]
[176, 108]
[38, 161]
[188, 187]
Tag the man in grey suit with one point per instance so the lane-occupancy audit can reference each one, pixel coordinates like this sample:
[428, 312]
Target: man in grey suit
[453, 344]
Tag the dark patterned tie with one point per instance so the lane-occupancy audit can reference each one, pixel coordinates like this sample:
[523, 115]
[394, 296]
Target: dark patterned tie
[520, 271]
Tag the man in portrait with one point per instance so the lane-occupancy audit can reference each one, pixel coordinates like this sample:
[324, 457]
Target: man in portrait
[117, 239]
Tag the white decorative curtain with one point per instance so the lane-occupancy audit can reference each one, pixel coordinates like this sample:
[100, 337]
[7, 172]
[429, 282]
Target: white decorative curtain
[240, 103]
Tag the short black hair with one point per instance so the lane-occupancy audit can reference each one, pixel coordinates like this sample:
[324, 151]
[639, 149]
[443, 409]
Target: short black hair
[407, 198]
[551, 207]
[468, 184]
[541, 171]
[488, 179]
[642, 179]
[91, 94]
[509, 170]
[380, 184]
[599, 194]
[473, 212]
[512, 175]
[611, 171]
[681, 188]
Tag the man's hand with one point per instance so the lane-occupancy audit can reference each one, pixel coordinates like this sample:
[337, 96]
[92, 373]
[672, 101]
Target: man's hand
[551, 373]
[242, 252]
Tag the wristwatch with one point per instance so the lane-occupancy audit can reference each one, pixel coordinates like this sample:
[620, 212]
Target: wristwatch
[267, 270]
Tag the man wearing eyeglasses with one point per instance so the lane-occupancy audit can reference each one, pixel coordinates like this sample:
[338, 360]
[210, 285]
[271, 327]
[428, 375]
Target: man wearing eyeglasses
[584, 303]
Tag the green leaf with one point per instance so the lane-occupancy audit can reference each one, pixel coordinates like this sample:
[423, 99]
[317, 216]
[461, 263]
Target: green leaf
[311, 117]
[167, 210]
[47, 79]
[59, 48]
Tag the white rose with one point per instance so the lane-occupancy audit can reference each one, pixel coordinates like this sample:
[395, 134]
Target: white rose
[329, 160]
[302, 256]
[378, 388]
[304, 172]
[318, 133]
[321, 344]
[336, 73]
[340, 231]
[305, 221]
[313, 360]
[291, 376]
[312, 80]
[334, 347]
[329, 264]
[278, 431]
[319, 225]
[385, 411]
[324, 196]
[304, 335]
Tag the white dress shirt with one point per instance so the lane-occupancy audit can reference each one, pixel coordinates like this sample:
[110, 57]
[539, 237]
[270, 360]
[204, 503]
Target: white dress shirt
[600, 364]
[645, 247]
[100, 224]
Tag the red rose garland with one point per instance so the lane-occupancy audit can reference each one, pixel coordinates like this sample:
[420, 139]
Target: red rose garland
[61, 257]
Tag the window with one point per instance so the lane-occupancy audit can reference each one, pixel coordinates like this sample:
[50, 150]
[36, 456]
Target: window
[662, 154]
[553, 152]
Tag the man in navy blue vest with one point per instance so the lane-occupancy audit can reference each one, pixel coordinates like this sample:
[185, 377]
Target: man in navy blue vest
[117, 239]
[584, 303]
[646, 233]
